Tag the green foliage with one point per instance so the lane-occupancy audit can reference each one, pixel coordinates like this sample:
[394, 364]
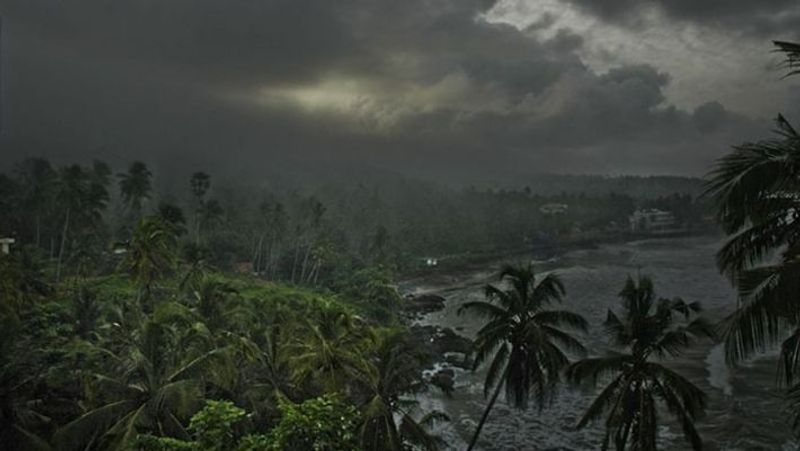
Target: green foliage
[146, 442]
[320, 424]
[393, 379]
[150, 254]
[213, 425]
[372, 291]
[212, 429]
[255, 442]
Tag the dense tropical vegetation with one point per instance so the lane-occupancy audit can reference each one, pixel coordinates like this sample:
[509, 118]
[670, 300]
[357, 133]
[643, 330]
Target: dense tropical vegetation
[119, 328]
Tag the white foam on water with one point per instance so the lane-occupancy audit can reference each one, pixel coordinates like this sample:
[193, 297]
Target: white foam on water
[719, 375]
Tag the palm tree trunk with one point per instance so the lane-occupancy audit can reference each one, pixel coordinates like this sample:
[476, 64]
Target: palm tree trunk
[270, 267]
[61, 249]
[38, 230]
[489, 406]
[296, 258]
[303, 268]
[260, 266]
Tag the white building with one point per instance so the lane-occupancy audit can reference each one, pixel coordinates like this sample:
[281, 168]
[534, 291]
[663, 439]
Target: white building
[651, 220]
[554, 209]
[5, 245]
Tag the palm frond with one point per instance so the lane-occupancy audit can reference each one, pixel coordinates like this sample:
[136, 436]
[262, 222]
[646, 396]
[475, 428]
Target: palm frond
[548, 289]
[565, 340]
[562, 318]
[792, 52]
[604, 401]
[759, 323]
[414, 433]
[92, 424]
[594, 369]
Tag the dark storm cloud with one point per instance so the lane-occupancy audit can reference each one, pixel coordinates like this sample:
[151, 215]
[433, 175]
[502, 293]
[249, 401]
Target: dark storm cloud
[413, 85]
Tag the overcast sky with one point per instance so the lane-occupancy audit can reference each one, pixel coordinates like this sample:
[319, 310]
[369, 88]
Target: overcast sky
[468, 87]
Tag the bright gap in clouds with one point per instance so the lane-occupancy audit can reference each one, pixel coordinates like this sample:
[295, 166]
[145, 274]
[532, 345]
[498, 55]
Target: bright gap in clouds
[704, 63]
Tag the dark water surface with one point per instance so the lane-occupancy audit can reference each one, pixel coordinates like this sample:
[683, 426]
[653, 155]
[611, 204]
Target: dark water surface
[744, 412]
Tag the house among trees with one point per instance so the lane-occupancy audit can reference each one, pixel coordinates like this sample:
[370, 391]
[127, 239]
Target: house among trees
[5, 245]
[554, 209]
[652, 220]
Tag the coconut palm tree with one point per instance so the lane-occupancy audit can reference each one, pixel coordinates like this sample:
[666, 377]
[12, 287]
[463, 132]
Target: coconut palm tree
[328, 353]
[523, 339]
[647, 327]
[389, 421]
[71, 190]
[37, 179]
[211, 299]
[135, 186]
[199, 183]
[153, 387]
[757, 191]
[150, 254]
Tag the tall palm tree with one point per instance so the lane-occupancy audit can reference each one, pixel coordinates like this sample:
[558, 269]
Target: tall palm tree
[135, 186]
[647, 327]
[199, 183]
[150, 254]
[37, 181]
[389, 421]
[71, 192]
[524, 339]
[757, 191]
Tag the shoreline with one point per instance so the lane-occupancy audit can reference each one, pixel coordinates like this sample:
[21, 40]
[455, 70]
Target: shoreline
[704, 364]
[459, 264]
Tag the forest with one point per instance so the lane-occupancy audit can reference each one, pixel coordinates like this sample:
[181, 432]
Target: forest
[219, 322]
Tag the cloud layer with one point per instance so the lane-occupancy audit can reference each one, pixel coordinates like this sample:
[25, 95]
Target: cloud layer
[466, 88]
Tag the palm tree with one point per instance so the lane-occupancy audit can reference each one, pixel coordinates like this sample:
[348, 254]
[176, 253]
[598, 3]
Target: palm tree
[648, 327]
[211, 298]
[523, 338]
[155, 387]
[328, 353]
[134, 186]
[18, 405]
[393, 376]
[199, 183]
[150, 254]
[172, 214]
[211, 213]
[37, 180]
[70, 195]
[757, 193]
